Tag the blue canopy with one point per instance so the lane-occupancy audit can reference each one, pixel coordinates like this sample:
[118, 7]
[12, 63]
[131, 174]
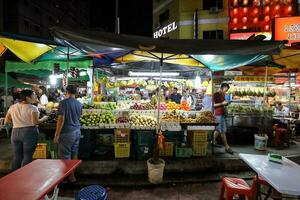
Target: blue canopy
[215, 54]
[227, 62]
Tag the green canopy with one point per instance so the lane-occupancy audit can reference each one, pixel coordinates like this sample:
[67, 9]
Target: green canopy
[11, 82]
[60, 53]
[12, 66]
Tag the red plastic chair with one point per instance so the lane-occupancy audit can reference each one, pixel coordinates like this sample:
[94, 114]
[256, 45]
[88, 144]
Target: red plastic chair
[236, 186]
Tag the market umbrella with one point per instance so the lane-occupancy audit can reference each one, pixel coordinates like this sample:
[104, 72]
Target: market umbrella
[290, 58]
[45, 53]
[162, 50]
[27, 51]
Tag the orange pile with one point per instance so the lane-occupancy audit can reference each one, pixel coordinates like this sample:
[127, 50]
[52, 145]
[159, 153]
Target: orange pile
[184, 106]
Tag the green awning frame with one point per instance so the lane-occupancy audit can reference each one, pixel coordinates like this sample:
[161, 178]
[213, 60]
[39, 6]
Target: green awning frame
[12, 66]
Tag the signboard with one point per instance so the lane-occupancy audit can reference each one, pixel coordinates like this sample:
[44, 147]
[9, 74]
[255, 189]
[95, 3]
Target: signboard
[233, 73]
[245, 36]
[288, 28]
[253, 78]
[163, 31]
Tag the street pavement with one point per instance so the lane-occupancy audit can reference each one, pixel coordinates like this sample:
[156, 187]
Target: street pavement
[196, 191]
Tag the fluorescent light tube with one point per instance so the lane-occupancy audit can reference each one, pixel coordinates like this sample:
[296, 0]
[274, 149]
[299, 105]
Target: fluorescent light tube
[153, 73]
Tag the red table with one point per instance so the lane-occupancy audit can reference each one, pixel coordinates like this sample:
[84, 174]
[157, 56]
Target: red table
[35, 180]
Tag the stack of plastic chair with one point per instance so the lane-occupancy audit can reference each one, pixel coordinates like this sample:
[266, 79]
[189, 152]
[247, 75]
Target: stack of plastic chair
[92, 192]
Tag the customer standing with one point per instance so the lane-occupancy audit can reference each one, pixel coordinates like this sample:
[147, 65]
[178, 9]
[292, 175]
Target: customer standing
[25, 117]
[219, 105]
[67, 133]
[175, 96]
[43, 96]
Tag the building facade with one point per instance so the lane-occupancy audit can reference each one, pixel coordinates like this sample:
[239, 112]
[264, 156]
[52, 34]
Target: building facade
[210, 22]
[35, 17]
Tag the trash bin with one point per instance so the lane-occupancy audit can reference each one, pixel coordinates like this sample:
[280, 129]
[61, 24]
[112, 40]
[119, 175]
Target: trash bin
[92, 192]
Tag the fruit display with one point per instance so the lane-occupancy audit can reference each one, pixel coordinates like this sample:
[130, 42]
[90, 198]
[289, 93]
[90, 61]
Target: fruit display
[252, 93]
[184, 106]
[171, 117]
[107, 106]
[121, 120]
[162, 106]
[123, 105]
[243, 109]
[51, 105]
[94, 118]
[88, 106]
[142, 120]
[102, 106]
[172, 105]
[142, 106]
[187, 120]
[206, 117]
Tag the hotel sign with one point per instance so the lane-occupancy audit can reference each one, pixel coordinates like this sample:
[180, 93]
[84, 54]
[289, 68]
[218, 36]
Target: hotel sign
[287, 28]
[163, 31]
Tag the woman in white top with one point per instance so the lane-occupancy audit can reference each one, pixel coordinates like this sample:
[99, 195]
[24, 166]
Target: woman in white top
[43, 98]
[25, 117]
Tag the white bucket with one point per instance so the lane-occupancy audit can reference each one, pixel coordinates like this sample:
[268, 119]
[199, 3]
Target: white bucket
[155, 171]
[260, 142]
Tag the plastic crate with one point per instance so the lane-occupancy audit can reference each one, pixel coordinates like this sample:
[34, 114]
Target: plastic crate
[174, 136]
[143, 152]
[184, 152]
[40, 151]
[105, 139]
[122, 150]
[144, 138]
[195, 137]
[200, 149]
[169, 149]
[122, 135]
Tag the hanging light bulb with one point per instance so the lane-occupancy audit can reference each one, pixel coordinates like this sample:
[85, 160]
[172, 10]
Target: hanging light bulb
[235, 2]
[255, 11]
[255, 20]
[235, 20]
[235, 11]
[267, 18]
[267, 9]
[267, 27]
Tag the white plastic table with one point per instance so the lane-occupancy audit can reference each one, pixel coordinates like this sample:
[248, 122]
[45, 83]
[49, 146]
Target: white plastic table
[285, 177]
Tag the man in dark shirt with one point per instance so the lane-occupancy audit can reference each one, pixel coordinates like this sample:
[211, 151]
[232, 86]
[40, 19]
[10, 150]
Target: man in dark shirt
[219, 106]
[67, 133]
[176, 97]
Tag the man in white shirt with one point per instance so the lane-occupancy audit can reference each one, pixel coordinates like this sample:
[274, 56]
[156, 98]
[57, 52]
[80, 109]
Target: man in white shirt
[281, 111]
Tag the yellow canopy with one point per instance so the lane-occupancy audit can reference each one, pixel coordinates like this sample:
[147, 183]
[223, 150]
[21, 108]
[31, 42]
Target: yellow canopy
[288, 57]
[179, 59]
[26, 51]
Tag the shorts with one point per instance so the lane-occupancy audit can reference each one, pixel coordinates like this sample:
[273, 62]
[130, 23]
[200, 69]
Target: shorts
[68, 145]
[221, 128]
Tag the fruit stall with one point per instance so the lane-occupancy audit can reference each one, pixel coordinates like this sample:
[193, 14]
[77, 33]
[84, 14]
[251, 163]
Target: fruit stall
[126, 129]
